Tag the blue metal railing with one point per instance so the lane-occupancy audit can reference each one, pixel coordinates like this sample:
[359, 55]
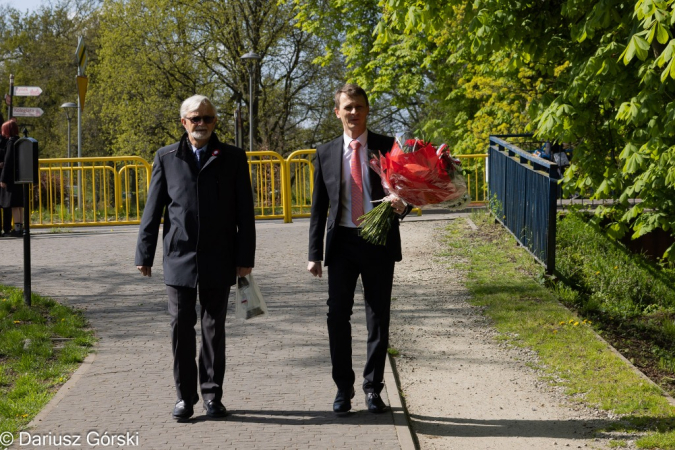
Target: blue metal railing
[523, 190]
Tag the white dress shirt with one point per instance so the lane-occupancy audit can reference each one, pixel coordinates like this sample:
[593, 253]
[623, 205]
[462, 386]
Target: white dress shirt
[346, 182]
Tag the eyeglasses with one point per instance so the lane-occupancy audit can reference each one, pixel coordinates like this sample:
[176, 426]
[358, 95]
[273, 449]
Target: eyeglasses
[206, 119]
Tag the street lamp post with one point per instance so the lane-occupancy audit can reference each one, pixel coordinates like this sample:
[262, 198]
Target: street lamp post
[65, 107]
[253, 57]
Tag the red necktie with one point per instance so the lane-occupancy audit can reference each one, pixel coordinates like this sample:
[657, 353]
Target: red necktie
[357, 183]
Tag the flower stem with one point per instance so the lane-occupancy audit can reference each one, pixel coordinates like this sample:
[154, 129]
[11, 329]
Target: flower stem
[377, 223]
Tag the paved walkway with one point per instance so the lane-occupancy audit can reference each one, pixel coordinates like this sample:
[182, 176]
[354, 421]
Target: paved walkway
[277, 388]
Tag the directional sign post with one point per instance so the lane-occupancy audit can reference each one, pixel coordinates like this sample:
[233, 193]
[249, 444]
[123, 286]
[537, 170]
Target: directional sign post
[27, 112]
[27, 91]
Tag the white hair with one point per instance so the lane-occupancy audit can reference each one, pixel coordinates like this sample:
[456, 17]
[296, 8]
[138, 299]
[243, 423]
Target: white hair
[193, 103]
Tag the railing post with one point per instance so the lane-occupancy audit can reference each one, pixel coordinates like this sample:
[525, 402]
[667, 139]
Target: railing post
[118, 188]
[286, 190]
[552, 222]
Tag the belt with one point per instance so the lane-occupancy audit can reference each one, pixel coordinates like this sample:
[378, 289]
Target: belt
[349, 230]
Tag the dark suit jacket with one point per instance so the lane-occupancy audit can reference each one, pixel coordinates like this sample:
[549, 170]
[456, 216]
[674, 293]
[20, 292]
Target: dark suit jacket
[326, 209]
[209, 222]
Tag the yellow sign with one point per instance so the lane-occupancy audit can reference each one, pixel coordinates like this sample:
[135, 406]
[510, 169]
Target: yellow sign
[82, 89]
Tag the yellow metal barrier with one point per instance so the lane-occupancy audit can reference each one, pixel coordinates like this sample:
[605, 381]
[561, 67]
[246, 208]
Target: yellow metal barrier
[474, 172]
[300, 182]
[113, 190]
[89, 191]
[268, 170]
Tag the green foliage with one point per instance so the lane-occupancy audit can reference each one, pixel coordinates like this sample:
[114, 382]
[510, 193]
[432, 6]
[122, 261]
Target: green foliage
[418, 55]
[143, 75]
[597, 74]
[155, 54]
[39, 49]
[145, 57]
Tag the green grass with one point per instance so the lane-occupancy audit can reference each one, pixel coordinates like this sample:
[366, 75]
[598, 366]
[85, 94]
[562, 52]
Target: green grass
[508, 284]
[612, 282]
[631, 298]
[33, 364]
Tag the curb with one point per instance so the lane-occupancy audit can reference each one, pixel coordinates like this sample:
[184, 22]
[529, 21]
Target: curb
[61, 393]
[397, 404]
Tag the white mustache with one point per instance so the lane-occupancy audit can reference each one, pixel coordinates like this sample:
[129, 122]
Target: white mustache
[200, 134]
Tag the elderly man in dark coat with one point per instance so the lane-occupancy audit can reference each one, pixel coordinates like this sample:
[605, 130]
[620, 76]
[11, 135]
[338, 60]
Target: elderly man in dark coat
[201, 187]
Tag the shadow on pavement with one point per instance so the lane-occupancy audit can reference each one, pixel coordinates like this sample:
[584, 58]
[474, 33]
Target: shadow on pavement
[283, 417]
[466, 427]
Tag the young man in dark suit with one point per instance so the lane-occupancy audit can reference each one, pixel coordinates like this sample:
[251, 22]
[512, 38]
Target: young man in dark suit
[202, 189]
[344, 187]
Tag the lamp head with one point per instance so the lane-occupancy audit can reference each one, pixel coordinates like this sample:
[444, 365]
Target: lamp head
[67, 106]
[251, 56]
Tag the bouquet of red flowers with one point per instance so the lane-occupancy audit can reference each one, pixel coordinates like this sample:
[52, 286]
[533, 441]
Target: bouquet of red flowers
[419, 174]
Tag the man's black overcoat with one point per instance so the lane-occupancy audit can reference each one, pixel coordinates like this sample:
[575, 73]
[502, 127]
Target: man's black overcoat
[209, 222]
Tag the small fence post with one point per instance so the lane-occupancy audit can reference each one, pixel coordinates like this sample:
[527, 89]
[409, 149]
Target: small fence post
[286, 190]
[552, 222]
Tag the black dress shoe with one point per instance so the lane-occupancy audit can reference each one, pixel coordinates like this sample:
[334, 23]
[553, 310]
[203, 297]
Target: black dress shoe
[214, 408]
[374, 403]
[182, 410]
[342, 403]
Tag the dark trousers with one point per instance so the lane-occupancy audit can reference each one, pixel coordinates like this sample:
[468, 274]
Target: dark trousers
[182, 302]
[353, 257]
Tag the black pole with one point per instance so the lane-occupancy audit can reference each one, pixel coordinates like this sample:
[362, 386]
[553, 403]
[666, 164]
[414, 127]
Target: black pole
[26, 245]
[251, 125]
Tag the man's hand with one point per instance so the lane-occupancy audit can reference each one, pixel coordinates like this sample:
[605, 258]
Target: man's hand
[146, 271]
[314, 267]
[396, 203]
[243, 271]
[3, 185]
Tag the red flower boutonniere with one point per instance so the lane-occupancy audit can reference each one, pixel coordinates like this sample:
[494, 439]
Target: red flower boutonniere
[216, 152]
